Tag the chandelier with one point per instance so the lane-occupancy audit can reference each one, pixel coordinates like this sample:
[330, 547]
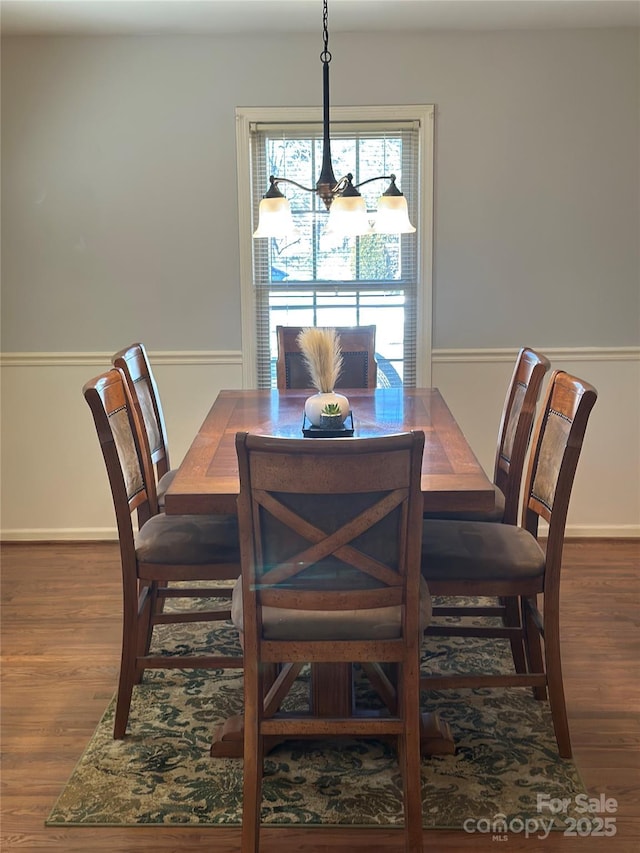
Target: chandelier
[348, 215]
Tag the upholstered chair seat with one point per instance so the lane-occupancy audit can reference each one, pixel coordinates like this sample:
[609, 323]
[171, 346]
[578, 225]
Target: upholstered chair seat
[480, 551]
[188, 540]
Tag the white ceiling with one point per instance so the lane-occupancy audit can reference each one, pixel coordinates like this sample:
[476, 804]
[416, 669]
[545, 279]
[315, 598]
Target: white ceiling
[111, 17]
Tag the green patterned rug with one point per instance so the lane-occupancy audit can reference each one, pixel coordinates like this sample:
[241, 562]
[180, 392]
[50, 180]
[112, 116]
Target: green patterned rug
[161, 773]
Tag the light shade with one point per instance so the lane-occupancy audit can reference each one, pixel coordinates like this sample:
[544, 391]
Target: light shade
[274, 218]
[393, 216]
[348, 216]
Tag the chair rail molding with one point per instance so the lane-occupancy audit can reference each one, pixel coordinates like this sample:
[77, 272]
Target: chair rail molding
[444, 356]
[222, 357]
[103, 359]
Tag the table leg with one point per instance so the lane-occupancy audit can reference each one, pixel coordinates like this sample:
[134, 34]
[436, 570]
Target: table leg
[435, 736]
[228, 738]
[332, 689]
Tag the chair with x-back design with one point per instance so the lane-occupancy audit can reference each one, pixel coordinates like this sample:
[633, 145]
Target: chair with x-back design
[330, 542]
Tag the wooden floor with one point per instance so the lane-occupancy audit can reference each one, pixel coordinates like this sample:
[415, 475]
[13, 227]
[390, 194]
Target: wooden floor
[60, 654]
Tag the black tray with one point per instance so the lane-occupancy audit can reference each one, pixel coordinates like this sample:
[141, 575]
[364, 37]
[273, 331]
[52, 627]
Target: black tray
[310, 431]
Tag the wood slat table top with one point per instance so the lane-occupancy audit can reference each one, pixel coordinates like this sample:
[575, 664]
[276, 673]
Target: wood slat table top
[207, 481]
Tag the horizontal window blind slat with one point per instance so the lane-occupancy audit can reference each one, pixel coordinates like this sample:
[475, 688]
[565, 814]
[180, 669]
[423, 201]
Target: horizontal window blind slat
[333, 287]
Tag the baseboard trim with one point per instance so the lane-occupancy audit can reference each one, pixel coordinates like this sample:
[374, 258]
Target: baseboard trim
[102, 534]
[60, 534]
[602, 531]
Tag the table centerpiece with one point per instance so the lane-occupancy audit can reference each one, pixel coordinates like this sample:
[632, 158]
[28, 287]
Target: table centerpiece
[323, 357]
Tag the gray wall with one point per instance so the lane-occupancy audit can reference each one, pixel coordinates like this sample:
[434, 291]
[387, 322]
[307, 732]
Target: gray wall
[119, 205]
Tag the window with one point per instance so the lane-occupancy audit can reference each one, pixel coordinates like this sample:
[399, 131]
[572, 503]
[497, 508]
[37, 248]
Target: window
[314, 279]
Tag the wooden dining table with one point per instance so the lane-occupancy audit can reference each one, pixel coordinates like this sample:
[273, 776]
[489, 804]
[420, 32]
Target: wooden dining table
[207, 483]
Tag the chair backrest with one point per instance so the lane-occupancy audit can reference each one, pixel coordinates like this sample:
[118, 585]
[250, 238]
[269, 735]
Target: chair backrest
[515, 427]
[134, 363]
[555, 450]
[126, 455]
[329, 525]
[359, 368]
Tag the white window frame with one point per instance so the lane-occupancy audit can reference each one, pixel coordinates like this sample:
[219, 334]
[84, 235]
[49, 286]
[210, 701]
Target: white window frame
[424, 115]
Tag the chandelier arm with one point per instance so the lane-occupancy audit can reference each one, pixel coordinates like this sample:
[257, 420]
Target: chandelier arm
[390, 177]
[335, 189]
[274, 180]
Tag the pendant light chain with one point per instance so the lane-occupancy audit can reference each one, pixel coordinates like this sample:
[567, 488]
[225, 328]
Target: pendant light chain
[325, 56]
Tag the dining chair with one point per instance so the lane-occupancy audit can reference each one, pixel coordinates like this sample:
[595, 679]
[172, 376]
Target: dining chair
[165, 548]
[359, 368]
[330, 545]
[471, 558]
[514, 433]
[134, 363]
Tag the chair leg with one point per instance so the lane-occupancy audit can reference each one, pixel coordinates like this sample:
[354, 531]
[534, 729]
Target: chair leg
[252, 799]
[127, 676]
[554, 680]
[253, 761]
[533, 645]
[512, 620]
[155, 605]
[144, 629]
[409, 757]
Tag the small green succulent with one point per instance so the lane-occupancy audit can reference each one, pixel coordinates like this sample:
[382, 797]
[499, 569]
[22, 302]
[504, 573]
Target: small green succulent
[331, 409]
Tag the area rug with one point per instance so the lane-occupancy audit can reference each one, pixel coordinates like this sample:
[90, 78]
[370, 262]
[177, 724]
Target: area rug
[505, 772]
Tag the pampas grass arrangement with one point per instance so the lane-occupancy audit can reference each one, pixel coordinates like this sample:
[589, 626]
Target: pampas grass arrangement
[323, 357]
